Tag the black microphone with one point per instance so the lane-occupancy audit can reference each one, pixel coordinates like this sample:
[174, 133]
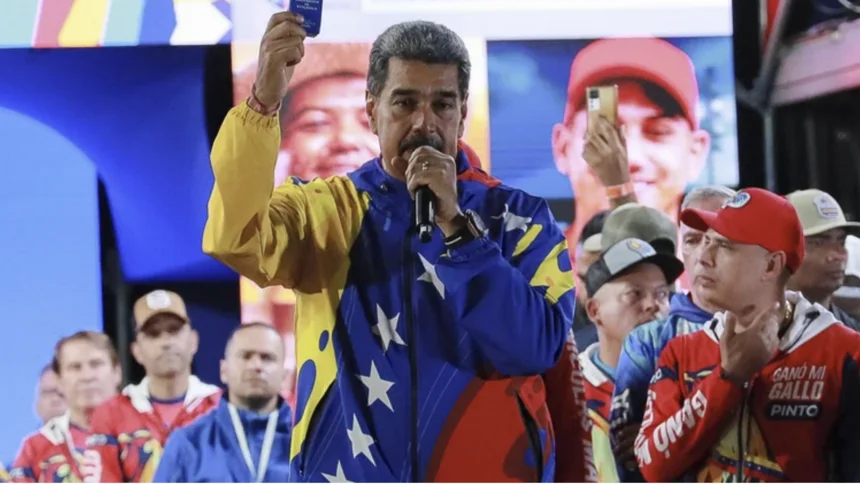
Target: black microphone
[425, 213]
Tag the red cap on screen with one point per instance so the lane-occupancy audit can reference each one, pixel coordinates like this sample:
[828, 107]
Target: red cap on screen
[757, 217]
[650, 59]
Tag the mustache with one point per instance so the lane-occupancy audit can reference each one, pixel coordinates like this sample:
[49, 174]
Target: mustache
[414, 142]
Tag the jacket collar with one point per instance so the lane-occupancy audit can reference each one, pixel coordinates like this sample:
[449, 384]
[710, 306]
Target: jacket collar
[197, 391]
[810, 319]
[285, 413]
[56, 430]
[590, 371]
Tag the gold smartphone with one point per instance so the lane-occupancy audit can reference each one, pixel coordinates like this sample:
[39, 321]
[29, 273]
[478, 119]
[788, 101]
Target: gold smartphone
[602, 101]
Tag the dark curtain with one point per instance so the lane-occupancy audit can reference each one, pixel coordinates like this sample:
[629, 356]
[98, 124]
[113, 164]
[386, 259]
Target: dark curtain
[818, 146]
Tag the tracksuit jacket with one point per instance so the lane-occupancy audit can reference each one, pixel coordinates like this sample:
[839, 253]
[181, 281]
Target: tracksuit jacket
[414, 362]
[127, 438]
[48, 455]
[796, 420]
[638, 361]
[208, 449]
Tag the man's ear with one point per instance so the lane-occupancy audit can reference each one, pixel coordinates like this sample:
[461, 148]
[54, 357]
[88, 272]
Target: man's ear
[561, 138]
[222, 370]
[592, 309]
[195, 341]
[464, 110]
[370, 104]
[699, 150]
[135, 352]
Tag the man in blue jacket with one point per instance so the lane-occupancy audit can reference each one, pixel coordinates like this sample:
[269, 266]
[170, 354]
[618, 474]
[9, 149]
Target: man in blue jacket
[247, 438]
[642, 347]
[417, 361]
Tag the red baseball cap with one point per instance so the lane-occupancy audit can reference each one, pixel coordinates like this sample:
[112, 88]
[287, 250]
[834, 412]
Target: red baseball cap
[650, 59]
[757, 217]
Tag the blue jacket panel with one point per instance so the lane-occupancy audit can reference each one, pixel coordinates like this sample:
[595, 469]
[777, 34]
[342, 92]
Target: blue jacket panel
[208, 449]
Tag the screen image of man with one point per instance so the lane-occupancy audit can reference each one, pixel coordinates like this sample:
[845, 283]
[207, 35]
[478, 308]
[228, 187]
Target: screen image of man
[128, 431]
[381, 316]
[87, 367]
[247, 438]
[658, 95]
[766, 391]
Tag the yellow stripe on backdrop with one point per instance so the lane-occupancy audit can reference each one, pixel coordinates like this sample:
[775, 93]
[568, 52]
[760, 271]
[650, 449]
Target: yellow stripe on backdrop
[84, 26]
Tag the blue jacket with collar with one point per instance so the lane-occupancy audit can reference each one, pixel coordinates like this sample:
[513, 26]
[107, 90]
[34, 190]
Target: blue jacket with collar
[208, 449]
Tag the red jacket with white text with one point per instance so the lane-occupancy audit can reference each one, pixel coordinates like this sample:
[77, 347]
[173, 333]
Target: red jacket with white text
[796, 420]
[127, 437]
[48, 455]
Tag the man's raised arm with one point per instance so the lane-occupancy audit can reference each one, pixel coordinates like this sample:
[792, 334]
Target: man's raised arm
[261, 234]
[258, 232]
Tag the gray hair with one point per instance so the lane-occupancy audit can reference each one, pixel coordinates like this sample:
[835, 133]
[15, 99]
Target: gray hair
[706, 192]
[421, 41]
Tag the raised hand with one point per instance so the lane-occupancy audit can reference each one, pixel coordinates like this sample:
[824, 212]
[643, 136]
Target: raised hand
[281, 49]
[744, 351]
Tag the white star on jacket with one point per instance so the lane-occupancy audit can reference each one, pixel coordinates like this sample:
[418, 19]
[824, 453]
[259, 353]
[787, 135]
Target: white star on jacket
[338, 476]
[430, 276]
[377, 388]
[513, 221]
[360, 441]
[386, 328]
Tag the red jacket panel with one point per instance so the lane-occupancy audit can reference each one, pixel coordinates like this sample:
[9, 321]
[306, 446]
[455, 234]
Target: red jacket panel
[598, 401]
[47, 456]
[127, 437]
[793, 419]
[565, 394]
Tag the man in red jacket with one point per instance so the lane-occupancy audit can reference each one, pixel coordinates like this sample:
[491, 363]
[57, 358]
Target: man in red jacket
[128, 432]
[88, 372]
[768, 390]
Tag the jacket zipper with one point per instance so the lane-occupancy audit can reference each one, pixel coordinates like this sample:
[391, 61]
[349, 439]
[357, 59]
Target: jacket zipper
[413, 356]
[741, 441]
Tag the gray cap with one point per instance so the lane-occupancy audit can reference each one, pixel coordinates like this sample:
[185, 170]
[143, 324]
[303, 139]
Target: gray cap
[634, 220]
[624, 255]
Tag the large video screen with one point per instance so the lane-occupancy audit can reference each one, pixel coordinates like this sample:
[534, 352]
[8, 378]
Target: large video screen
[672, 61]
[104, 23]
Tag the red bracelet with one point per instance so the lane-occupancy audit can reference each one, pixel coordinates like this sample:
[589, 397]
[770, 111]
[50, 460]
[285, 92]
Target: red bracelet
[618, 191]
[256, 106]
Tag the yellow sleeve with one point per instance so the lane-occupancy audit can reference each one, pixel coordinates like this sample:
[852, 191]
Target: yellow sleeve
[259, 232]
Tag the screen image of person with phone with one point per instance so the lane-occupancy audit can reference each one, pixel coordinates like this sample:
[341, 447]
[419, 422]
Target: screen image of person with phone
[657, 102]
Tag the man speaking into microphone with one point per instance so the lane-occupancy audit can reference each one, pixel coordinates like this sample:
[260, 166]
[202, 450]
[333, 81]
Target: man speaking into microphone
[417, 361]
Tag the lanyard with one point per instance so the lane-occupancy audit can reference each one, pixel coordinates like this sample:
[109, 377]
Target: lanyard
[268, 440]
[73, 453]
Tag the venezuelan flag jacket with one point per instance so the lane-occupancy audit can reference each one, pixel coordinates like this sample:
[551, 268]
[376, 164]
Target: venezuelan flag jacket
[413, 363]
[795, 421]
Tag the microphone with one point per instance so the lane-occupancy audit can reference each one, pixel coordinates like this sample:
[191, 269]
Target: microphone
[425, 213]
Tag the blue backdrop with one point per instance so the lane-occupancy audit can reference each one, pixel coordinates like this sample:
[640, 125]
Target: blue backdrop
[51, 281]
[138, 115]
[528, 92]
[135, 117]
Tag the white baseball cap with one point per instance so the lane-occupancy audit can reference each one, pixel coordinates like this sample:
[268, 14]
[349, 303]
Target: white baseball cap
[819, 212]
